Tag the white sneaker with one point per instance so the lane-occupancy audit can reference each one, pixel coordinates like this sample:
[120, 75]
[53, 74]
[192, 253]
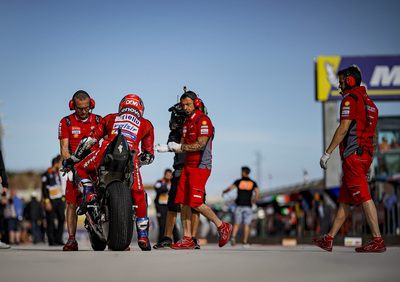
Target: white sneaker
[4, 245]
[246, 245]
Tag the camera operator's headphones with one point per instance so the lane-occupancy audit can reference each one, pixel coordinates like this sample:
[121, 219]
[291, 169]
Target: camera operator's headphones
[197, 102]
[72, 103]
[349, 79]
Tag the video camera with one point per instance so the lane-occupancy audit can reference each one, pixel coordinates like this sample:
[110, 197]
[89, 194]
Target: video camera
[178, 116]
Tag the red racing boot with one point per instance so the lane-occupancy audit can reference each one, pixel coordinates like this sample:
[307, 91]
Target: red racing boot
[325, 242]
[71, 245]
[224, 233]
[142, 224]
[376, 245]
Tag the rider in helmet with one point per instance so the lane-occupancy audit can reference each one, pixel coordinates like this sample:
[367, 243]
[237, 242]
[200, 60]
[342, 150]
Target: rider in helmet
[137, 130]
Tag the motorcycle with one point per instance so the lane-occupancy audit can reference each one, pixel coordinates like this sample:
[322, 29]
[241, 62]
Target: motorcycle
[109, 220]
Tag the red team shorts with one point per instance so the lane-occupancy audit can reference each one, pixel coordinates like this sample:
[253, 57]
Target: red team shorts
[192, 186]
[355, 188]
[72, 195]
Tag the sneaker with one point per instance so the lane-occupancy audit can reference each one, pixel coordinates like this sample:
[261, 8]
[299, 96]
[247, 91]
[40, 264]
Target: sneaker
[165, 243]
[71, 245]
[143, 241]
[233, 241]
[4, 245]
[376, 245]
[224, 233]
[196, 243]
[325, 242]
[246, 245]
[183, 244]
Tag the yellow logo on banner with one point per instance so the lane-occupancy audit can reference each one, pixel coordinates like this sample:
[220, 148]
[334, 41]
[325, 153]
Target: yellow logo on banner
[326, 68]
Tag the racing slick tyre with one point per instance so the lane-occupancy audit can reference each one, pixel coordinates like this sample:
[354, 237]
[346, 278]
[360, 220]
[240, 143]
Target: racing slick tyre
[96, 243]
[121, 216]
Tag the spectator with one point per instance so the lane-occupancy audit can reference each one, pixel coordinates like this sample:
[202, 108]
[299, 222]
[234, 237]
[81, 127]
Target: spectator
[13, 213]
[162, 188]
[3, 200]
[54, 202]
[244, 202]
[34, 214]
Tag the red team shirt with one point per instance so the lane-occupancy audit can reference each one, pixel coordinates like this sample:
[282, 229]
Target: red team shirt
[196, 126]
[353, 108]
[74, 129]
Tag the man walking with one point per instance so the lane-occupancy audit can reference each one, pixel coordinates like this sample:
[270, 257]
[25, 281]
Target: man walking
[358, 140]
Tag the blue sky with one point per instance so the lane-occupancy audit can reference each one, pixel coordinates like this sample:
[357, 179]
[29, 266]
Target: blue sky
[250, 61]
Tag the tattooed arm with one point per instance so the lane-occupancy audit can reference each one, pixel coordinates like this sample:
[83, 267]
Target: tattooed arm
[199, 145]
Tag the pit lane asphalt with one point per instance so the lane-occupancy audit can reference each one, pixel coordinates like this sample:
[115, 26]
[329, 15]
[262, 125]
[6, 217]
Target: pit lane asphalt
[258, 263]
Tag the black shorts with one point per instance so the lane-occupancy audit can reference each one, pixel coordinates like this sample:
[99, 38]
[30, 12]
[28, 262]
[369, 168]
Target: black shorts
[172, 195]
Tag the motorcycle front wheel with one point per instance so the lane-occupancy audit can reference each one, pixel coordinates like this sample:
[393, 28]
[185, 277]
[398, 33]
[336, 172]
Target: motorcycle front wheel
[121, 216]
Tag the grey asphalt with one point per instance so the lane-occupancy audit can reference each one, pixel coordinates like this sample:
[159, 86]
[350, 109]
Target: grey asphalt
[210, 263]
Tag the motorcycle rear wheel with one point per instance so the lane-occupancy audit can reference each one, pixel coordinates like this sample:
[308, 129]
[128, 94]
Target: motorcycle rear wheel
[121, 216]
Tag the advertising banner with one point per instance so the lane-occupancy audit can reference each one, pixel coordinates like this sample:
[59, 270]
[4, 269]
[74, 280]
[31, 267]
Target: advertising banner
[380, 75]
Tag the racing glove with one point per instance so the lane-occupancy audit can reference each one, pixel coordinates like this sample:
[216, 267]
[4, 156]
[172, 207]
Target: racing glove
[173, 146]
[369, 174]
[324, 159]
[145, 158]
[161, 148]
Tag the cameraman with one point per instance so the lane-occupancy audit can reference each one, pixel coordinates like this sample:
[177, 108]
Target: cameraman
[176, 122]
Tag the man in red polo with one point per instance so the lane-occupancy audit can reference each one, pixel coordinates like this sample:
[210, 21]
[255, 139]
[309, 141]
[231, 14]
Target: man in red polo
[70, 132]
[196, 141]
[358, 140]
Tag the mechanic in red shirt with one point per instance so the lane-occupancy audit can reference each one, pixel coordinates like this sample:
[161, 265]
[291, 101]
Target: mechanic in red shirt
[357, 137]
[196, 141]
[137, 130]
[70, 132]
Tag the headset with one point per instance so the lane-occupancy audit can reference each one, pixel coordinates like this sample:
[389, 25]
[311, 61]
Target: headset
[197, 102]
[72, 104]
[349, 79]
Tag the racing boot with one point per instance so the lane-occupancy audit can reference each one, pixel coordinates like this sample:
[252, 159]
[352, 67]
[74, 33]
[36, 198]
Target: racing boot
[89, 196]
[142, 225]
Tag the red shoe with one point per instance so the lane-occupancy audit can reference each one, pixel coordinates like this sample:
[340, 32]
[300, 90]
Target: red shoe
[126, 250]
[376, 245]
[325, 242]
[184, 244]
[224, 233]
[71, 245]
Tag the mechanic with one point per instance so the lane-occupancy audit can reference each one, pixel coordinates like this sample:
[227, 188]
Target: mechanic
[357, 139]
[196, 141]
[70, 132]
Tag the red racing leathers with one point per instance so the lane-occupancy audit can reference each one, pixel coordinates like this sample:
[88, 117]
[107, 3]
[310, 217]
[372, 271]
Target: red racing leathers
[136, 129]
